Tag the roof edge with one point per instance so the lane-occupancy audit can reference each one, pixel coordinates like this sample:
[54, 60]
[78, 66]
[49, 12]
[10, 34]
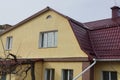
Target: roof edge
[78, 23]
[34, 16]
[107, 59]
[62, 59]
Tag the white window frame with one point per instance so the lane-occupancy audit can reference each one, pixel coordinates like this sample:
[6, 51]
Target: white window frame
[9, 41]
[48, 39]
[109, 73]
[52, 74]
[68, 73]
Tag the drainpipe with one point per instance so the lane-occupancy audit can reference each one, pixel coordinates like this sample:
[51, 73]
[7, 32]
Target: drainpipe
[80, 74]
[33, 71]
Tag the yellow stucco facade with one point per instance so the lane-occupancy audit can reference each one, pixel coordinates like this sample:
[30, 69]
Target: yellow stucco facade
[106, 66]
[25, 45]
[40, 68]
[26, 38]
[58, 67]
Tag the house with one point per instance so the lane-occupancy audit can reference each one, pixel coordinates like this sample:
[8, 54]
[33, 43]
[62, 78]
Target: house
[105, 40]
[51, 46]
[4, 27]
[45, 46]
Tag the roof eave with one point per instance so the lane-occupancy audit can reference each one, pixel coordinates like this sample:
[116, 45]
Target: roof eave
[107, 59]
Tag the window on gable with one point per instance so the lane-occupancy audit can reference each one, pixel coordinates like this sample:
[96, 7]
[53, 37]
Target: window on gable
[49, 74]
[109, 75]
[48, 17]
[9, 43]
[48, 39]
[67, 74]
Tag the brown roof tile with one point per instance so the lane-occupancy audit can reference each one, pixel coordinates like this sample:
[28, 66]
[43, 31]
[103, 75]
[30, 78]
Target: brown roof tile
[82, 36]
[105, 40]
[105, 23]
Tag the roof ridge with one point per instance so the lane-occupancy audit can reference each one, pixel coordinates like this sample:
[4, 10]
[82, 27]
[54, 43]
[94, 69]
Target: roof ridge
[97, 20]
[103, 24]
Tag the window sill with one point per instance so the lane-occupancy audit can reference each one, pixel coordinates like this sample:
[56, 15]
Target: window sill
[46, 47]
[8, 49]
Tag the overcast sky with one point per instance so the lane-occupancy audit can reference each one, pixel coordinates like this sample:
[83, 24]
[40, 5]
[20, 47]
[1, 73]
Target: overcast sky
[14, 11]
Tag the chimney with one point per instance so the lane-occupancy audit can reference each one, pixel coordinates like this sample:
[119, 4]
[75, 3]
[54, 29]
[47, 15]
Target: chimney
[115, 12]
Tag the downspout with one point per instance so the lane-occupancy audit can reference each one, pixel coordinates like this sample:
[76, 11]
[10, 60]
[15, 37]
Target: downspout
[80, 74]
[33, 71]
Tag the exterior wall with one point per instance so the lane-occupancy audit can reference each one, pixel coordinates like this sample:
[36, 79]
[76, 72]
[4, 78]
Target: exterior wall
[58, 66]
[106, 66]
[38, 70]
[10, 77]
[2, 51]
[26, 38]
[40, 67]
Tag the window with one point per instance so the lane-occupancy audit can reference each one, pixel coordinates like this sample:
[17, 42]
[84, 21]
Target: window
[109, 75]
[3, 77]
[48, 17]
[9, 43]
[67, 74]
[48, 39]
[49, 74]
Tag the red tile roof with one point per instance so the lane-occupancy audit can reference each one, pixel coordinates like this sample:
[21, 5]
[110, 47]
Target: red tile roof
[82, 36]
[105, 38]
[105, 23]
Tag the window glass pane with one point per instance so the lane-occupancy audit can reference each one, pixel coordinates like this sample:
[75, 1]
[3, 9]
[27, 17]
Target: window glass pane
[9, 43]
[49, 74]
[113, 75]
[45, 40]
[41, 39]
[67, 74]
[105, 75]
[45, 75]
[10, 46]
[52, 74]
[51, 39]
[55, 38]
[70, 74]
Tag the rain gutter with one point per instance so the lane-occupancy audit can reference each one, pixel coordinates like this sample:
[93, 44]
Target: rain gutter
[107, 59]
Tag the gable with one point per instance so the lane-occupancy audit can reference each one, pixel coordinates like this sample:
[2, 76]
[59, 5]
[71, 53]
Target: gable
[26, 37]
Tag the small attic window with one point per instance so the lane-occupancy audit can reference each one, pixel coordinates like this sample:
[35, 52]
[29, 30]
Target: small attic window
[48, 17]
